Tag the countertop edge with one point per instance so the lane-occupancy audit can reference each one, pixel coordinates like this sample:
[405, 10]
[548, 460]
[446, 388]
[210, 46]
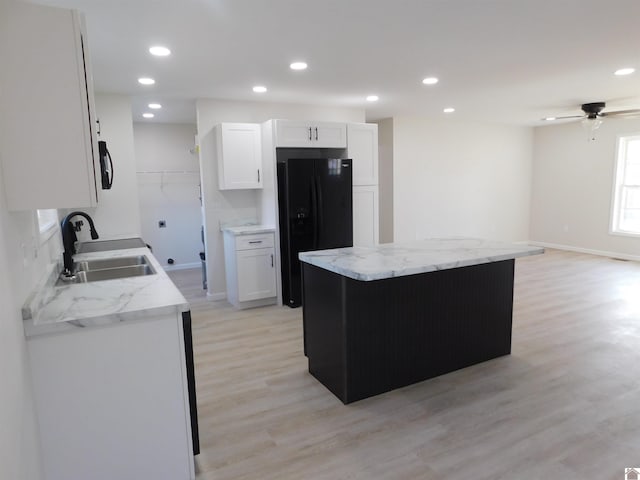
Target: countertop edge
[51, 309]
[324, 258]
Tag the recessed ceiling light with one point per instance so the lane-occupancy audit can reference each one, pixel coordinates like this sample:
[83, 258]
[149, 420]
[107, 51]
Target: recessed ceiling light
[298, 66]
[259, 89]
[624, 71]
[146, 81]
[155, 106]
[449, 110]
[550, 119]
[159, 51]
[148, 115]
[372, 98]
[430, 81]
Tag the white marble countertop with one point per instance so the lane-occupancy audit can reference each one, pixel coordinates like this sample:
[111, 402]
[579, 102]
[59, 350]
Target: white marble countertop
[249, 229]
[53, 309]
[398, 259]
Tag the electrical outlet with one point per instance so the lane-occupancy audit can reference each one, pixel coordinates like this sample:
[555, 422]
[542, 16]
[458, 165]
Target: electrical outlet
[162, 224]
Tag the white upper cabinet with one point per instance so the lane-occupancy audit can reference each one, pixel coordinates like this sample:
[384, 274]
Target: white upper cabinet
[363, 149]
[292, 133]
[239, 156]
[47, 125]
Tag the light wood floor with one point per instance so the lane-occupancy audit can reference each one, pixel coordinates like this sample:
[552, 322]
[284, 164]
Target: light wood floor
[564, 405]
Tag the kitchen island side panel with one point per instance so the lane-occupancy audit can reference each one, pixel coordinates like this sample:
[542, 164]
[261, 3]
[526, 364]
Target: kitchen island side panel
[324, 327]
[403, 330]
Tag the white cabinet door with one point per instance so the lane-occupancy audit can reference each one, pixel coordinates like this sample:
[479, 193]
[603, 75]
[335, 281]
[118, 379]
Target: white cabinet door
[363, 149]
[239, 156]
[256, 274]
[329, 135]
[365, 215]
[112, 401]
[49, 147]
[291, 133]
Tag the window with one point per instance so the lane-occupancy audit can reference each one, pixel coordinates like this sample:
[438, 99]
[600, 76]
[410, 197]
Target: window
[47, 223]
[626, 202]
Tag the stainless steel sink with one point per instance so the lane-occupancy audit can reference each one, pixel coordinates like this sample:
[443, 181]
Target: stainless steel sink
[108, 269]
[113, 273]
[106, 245]
[101, 264]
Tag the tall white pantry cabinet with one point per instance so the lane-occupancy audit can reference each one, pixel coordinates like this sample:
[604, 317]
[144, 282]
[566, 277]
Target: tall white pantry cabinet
[362, 148]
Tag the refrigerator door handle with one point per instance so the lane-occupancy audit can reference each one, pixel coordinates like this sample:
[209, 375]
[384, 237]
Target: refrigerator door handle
[319, 207]
[314, 210]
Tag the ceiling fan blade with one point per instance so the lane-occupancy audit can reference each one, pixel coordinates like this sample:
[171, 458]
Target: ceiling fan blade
[621, 112]
[569, 116]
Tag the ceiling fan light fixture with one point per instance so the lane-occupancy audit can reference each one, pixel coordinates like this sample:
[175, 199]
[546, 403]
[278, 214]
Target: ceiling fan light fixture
[590, 125]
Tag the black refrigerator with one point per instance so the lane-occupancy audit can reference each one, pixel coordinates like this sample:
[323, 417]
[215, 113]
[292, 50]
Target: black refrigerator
[316, 212]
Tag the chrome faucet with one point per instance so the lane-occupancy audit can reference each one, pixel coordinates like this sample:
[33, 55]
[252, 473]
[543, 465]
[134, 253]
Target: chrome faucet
[69, 238]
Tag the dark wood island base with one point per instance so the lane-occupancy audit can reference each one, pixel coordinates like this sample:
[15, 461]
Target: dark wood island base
[363, 338]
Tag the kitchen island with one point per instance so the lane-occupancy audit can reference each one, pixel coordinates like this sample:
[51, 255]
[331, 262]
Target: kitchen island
[380, 318]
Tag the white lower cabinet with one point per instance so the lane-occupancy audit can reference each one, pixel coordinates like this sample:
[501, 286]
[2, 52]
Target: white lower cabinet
[256, 274]
[251, 269]
[112, 401]
[365, 215]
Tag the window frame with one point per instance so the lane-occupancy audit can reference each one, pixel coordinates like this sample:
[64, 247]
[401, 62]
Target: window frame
[47, 223]
[616, 191]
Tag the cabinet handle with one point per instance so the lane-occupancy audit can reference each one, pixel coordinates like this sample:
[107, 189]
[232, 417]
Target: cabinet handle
[309, 133]
[255, 241]
[258, 175]
[316, 133]
[272, 260]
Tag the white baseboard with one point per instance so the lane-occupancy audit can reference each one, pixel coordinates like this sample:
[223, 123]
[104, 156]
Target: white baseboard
[217, 296]
[181, 266]
[601, 253]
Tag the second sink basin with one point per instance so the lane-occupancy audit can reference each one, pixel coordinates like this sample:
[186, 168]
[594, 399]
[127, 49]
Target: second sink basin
[101, 264]
[113, 273]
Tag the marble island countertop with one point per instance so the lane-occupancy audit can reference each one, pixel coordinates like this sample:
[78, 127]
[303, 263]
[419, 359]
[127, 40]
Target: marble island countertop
[52, 309]
[398, 259]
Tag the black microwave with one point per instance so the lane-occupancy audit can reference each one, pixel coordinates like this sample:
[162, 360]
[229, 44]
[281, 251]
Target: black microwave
[106, 165]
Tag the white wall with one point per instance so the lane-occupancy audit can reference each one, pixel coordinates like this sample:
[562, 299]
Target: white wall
[229, 205]
[169, 189]
[385, 175]
[117, 213]
[572, 188]
[24, 261]
[460, 179]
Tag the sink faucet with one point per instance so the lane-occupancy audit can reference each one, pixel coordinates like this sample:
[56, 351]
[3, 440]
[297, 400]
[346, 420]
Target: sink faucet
[69, 238]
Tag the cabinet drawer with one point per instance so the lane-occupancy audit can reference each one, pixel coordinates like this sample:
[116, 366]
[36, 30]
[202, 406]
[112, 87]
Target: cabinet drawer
[246, 242]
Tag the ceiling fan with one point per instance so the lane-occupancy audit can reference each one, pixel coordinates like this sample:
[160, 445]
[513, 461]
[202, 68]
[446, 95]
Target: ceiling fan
[593, 111]
[593, 114]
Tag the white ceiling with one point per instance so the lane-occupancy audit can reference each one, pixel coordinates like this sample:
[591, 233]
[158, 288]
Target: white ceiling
[501, 61]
